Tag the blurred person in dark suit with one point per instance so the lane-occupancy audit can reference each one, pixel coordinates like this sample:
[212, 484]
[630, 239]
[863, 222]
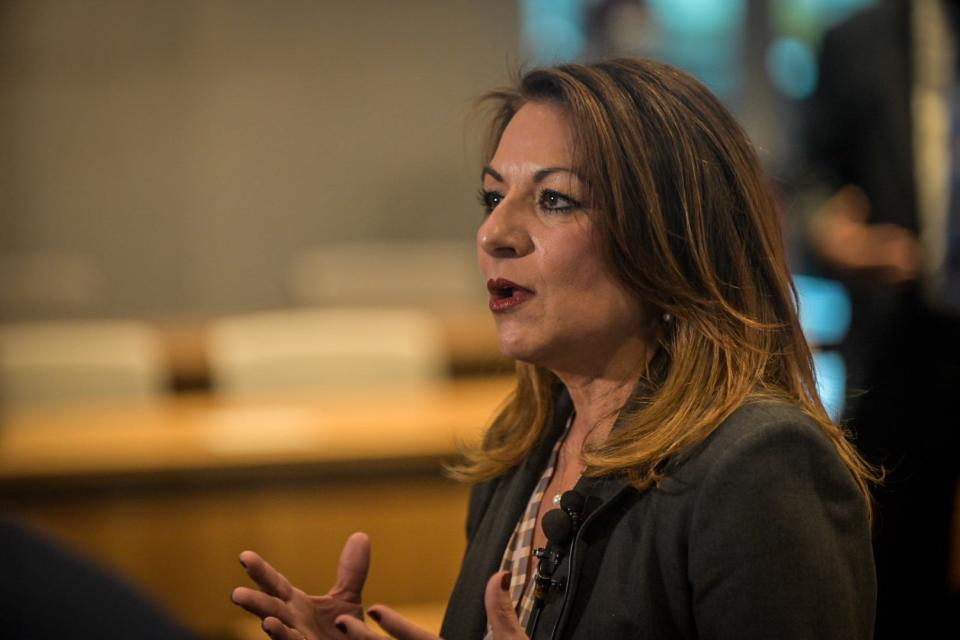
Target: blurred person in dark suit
[49, 593]
[883, 138]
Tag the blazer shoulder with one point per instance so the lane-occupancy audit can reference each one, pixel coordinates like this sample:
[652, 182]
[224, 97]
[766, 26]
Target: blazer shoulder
[776, 519]
[756, 431]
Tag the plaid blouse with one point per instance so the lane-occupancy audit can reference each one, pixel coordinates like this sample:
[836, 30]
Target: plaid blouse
[516, 557]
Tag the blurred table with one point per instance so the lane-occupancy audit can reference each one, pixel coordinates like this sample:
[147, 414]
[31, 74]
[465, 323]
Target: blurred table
[169, 494]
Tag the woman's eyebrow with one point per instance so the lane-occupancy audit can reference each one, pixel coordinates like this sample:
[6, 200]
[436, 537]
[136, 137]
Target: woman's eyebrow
[542, 174]
[489, 171]
[539, 176]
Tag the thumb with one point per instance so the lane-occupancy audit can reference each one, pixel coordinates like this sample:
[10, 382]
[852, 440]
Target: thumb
[501, 615]
[352, 568]
[852, 203]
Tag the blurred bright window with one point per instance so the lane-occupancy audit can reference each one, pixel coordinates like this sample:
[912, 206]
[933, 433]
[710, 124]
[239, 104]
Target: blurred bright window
[553, 30]
[796, 27]
[705, 37]
[825, 318]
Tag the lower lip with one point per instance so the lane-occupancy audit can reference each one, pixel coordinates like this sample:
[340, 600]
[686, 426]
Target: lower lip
[499, 305]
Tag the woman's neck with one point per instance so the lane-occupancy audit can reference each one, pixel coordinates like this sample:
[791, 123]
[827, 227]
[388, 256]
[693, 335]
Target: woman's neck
[598, 398]
[596, 404]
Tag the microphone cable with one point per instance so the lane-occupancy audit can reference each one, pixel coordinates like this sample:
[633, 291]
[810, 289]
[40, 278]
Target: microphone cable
[560, 526]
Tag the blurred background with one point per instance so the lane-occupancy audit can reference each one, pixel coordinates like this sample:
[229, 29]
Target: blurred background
[178, 161]
[237, 288]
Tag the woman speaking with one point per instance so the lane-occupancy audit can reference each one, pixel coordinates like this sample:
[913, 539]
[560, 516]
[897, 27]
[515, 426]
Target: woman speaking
[664, 467]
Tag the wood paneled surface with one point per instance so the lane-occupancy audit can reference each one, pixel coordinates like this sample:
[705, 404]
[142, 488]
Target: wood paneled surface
[170, 494]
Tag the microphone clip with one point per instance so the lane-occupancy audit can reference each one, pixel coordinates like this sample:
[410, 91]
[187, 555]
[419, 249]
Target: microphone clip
[560, 526]
[544, 582]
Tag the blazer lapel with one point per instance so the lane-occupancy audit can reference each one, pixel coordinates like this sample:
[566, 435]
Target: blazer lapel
[600, 494]
[485, 551]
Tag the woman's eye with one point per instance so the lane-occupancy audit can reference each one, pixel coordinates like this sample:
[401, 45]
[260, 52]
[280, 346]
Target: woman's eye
[489, 199]
[555, 201]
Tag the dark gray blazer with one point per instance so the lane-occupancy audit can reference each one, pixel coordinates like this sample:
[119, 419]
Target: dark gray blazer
[760, 532]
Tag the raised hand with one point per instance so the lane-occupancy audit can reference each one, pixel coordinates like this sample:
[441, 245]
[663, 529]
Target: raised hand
[389, 620]
[290, 614]
[843, 238]
[501, 617]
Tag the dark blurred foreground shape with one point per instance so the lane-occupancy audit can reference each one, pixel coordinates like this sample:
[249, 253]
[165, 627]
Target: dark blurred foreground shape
[48, 593]
[883, 142]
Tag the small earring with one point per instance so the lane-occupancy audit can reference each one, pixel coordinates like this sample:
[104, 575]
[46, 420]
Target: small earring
[666, 316]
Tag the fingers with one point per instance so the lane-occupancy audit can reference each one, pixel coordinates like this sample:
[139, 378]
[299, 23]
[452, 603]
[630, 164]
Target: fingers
[398, 626]
[279, 631]
[267, 578]
[352, 569]
[258, 603]
[501, 615]
[288, 613]
[896, 250]
[355, 629]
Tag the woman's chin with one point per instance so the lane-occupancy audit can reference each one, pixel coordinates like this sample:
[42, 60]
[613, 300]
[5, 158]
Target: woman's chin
[520, 350]
[513, 348]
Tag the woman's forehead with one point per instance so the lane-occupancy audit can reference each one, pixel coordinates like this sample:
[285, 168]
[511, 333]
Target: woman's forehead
[539, 135]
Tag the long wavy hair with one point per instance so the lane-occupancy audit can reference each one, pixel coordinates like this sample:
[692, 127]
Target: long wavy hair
[687, 223]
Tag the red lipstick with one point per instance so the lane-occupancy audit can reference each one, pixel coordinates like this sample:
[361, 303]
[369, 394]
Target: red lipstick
[505, 295]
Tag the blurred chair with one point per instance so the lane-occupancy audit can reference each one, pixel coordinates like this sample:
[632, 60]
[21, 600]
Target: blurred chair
[303, 349]
[56, 363]
[428, 273]
[40, 284]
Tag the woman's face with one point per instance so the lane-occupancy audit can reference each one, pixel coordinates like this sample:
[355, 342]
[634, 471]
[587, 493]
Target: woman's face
[555, 302]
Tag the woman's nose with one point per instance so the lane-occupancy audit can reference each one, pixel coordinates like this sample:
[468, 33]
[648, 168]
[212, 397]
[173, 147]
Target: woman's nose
[503, 233]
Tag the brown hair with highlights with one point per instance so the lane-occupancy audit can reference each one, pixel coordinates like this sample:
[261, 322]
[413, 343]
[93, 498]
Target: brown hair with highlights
[687, 223]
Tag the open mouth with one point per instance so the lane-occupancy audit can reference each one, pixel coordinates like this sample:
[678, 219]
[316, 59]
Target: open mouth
[505, 294]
